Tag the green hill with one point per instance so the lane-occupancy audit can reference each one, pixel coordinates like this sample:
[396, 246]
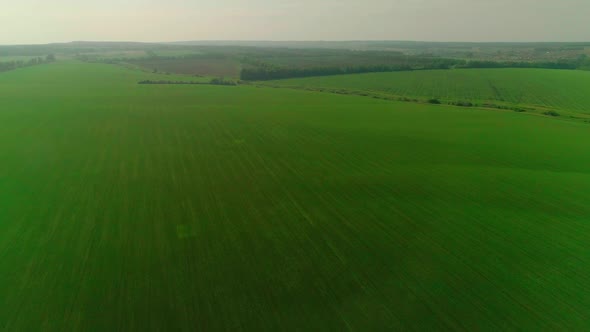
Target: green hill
[565, 90]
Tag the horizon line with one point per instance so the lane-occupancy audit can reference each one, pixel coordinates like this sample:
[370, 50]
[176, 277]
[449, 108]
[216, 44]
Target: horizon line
[295, 41]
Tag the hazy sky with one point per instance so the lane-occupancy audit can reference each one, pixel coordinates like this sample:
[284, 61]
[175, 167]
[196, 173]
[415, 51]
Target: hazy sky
[42, 21]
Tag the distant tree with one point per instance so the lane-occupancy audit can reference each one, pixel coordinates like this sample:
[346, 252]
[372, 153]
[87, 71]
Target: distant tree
[222, 81]
[583, 62]
[50, 58]
[260, 71]
[463, 103]
[562, 64]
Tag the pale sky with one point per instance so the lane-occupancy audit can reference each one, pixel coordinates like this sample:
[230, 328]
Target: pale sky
[44, 21]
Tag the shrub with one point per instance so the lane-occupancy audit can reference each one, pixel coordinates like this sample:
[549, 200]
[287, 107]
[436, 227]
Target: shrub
[222, 81]
[551, 113]
[463, 104]
[434, 101]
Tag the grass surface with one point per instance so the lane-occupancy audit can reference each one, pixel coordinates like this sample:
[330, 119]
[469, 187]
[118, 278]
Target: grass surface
[137, 207]
[566, 90]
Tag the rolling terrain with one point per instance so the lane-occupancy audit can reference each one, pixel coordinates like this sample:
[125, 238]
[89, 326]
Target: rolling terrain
[543, 89]
[174, 207]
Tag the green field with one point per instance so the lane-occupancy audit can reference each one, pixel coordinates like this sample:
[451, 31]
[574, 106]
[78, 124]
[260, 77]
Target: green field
[566, 90]
[203, 67]
[208, 208]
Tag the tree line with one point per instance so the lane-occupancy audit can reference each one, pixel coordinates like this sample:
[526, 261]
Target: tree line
[263, 72]
[522, 64]
[214, 81]
[10, 65]
[268, 72]
[169, 82]
[150, 56]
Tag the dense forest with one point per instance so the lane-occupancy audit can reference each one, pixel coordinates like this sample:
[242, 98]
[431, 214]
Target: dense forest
[264, 72]
[269, 72]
